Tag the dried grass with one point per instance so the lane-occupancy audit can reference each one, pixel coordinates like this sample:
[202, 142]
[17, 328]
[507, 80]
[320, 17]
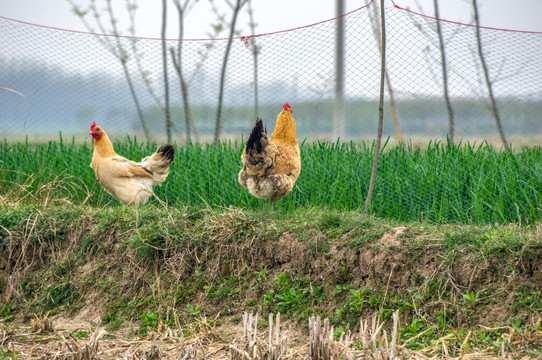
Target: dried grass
[254, 348]
[374, 340]
[35, 190]
[75, 351]
[371, 341]
[39, 325]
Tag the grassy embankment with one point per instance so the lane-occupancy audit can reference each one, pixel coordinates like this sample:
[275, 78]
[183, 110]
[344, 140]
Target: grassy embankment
[465, 288]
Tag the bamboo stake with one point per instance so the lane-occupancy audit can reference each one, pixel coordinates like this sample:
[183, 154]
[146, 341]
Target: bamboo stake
[380, 109]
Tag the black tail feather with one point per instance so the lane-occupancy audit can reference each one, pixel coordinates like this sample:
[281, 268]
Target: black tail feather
[167, 152]
[254, 140]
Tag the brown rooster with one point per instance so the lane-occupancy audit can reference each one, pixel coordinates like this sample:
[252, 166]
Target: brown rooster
[271, 165]
[127, 181]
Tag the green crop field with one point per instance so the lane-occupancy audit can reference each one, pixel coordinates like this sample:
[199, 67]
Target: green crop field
[463, 183]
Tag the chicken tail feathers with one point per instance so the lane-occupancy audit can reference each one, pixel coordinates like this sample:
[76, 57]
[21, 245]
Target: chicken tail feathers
[259, 154]
[254, 142]
[158, 163]
[167, 153]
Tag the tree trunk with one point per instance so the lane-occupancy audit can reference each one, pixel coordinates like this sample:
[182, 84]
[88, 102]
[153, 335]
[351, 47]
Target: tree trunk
[188, 117]
[445, 77]
[164, 64]
[255, 52]
[493, 103]
[121, 55]
[136, 101]
[393, 105]
[219, 121]
[190, 125]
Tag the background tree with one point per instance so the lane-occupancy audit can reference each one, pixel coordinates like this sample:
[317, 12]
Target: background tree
[449, 108]
[235, 7]
[255, 52]
[376, 26]
[114, 46]
[133, 52]
[137, 55]
[177, 59]
[441, 46]
[378, 143]
[493, 103]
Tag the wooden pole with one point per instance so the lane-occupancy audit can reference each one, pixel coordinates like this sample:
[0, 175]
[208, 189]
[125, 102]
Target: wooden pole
[380, 107]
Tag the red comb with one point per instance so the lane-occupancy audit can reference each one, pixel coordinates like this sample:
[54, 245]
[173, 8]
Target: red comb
[287, 107]
[93, 126]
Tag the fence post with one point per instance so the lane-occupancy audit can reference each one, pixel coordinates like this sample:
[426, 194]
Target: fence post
[338, 123]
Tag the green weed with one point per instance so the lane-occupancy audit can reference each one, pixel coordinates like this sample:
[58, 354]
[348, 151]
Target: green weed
[527, 299]
[193, 311]
[6, 354]
[149, 320]
[55, 296]
[224, 287]
[7, 312]
[471, 298]
[292, 294]
[81, 334]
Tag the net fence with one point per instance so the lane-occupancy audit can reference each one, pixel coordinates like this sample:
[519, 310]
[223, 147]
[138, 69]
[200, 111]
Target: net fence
[71, 79]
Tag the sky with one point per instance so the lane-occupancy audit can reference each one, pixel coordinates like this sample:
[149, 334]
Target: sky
[270, 16]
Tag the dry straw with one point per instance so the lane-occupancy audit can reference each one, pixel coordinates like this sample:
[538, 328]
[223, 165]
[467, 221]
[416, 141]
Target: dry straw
[371, 341]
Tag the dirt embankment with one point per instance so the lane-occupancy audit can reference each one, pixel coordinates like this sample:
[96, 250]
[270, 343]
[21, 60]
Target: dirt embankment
[140, 275]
